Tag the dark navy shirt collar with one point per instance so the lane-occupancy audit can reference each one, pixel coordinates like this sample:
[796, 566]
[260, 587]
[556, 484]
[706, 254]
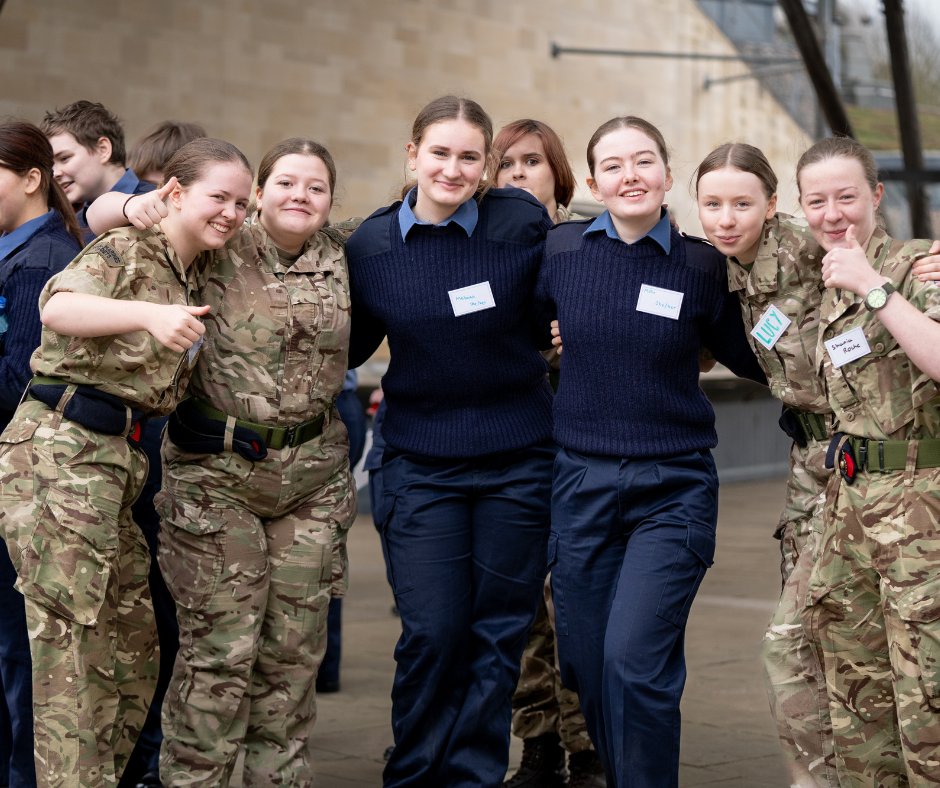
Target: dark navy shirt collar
[661, 232]
[466, 216]
[15, 239]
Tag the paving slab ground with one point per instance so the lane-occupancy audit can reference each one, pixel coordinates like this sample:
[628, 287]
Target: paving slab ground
[728, 737]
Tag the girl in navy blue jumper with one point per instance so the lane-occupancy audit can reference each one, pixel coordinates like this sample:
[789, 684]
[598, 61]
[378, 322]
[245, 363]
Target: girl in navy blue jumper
[38, 237]
[634, 504]
[448, 275]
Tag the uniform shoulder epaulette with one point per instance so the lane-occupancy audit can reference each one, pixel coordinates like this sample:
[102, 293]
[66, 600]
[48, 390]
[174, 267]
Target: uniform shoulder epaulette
[372, 236]
[697, 239]
[701, 255]
[566, 236]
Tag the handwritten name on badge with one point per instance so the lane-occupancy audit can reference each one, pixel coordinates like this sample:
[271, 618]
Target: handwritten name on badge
[847, 347]
[771, 326]
[473, 298]
[659, 301]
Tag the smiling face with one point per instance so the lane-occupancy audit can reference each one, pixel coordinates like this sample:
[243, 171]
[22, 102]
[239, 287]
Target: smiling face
[80, 171]
[835, 194]
[449, 163]
[525, 165]
[631, 179]
[295, 200]
[210, 210]
[732, 207]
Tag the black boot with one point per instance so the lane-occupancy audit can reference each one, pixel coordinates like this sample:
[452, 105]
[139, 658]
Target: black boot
[543, 764]
[585, 770]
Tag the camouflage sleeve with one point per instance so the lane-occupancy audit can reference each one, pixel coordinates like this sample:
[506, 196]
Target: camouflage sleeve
[99, 272]
[340, 231]
[926, 297]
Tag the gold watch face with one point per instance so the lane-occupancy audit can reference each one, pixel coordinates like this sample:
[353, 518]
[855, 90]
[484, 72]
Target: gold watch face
[876, 298]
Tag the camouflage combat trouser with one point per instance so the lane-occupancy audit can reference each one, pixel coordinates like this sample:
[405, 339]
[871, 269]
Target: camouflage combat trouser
[65, 497]
[874, 604]
[796, 682]
[252, 553]
[540, 703]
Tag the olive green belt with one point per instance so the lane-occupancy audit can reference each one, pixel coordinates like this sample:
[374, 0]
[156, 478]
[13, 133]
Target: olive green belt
[274, 437]
[815, 426]
[875, 455]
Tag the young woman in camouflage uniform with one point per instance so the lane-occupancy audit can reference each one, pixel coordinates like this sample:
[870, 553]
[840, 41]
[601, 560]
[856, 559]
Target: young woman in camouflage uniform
[774, 265]
[257, 493]
[874, 593]
[120, 339]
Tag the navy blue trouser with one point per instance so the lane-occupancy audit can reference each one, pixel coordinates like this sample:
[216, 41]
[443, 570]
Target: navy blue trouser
[465, 545]
[631, 541]
[16, 677]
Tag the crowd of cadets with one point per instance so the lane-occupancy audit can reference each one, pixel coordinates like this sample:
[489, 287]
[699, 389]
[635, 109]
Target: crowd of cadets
[175, 485]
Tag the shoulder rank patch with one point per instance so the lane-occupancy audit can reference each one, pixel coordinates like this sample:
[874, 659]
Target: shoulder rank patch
[109, 253]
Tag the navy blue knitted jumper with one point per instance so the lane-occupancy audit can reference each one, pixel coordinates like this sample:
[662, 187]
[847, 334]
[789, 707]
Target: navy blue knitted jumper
[456, 386]
[629, 380]
[23, 274]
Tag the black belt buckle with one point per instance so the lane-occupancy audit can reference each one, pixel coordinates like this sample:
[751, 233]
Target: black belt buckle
[290, 433]
[841, 445]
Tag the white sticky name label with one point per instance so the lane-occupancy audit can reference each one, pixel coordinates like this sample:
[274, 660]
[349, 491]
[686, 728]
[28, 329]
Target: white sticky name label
[473, 298]
[659, 301]
[847, 347]
[771, 326]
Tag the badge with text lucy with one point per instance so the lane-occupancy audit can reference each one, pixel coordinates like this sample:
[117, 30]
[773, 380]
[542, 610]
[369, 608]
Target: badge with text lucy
[473, 298]
[847, 347]
[659, 301]
[771, 326]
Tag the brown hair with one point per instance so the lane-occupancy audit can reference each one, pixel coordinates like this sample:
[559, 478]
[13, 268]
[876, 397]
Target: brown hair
[456, 108]
[511, 133]
[839, 147]
[189, 162]
[154, 150]
[24, 147]
[87, 121]
[301, 146]
[631, 122]
[740, 156]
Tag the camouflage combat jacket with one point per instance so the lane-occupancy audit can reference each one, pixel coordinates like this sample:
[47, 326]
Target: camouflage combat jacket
[882, 394]
[277, 338]
[131, 265]
[787, 274]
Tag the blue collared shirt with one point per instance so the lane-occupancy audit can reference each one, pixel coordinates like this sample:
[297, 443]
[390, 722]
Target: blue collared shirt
[661, 232]
[466, 216]
[15, 239]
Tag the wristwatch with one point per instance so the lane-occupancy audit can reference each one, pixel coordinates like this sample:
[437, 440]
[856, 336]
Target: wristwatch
[877, 297]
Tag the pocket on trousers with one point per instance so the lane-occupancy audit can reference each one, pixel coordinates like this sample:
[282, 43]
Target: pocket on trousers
[685, 576]
[191, 563]
[67, 564]
[558, 595]
[919, 607]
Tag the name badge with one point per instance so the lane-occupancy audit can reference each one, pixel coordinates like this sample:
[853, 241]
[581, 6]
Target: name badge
[771, 326]
[473, 298]
[659, 301]
[193, 351]
[847, 347]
